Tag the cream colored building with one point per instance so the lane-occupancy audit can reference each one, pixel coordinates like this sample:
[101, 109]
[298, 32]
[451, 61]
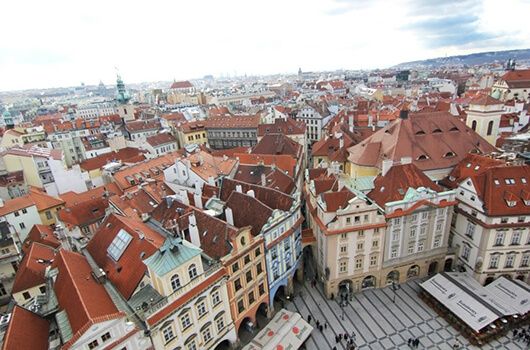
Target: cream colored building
[484, 117]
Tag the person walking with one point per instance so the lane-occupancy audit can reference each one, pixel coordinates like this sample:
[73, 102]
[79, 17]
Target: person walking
[326, 325]
[409, 341]
[308, 318]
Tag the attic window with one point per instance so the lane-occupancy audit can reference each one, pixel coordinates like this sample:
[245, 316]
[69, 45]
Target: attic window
[382, 189]
[511, 203]
[477, 167]
[420, 132]
[118, 245]
[454, 128]
[509, 181]
[496, 182]
[523, 180]
[527, 202]
[423, 157]
[468, 165]
[437, 131]
[449, 154]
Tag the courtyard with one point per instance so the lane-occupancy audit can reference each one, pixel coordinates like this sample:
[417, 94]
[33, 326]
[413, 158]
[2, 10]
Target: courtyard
[380, 323]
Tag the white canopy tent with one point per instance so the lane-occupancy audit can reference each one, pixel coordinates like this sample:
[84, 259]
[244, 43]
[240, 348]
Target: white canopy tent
[286, 330]
[516, 294]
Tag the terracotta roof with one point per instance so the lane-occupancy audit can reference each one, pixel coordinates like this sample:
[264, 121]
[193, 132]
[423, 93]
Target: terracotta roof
[287, 126]
[16, 204]
[277, 144]
[471, 165]
[274, 177]
[248, 211]
[35, 151]
[283, 161]
[153, 168]
[229, 152]
[72, 198]
[181, 85]
[485, 100]
[194, 126]
[268, 196]
[136, 199]
[40, 234]
[26, 330]
[317, 172]
[517, 78]
[44, 201]
[84, 300]
[84, 213]
[125, 155]
[205, 165]
[160, 139]
[235, 122]
[15, 177]
[31, 270]
[142, 125]
[394, 185]
[325, 183]
[434, 140]
[126, 273]
[337, 200]
[499, 185]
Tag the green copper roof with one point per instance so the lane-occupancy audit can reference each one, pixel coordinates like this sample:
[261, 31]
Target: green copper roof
[173, 253]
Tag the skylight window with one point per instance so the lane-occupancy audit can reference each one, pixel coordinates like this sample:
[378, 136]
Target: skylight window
[423, 157]
[449, 154]
[477, 167]
[468, 165]
[496, 182]
[523, 180]
[119, 244]
[509, 181]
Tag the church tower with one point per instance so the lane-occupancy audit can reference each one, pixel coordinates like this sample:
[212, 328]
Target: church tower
[7, 118]
[484, 117]
[125, 109]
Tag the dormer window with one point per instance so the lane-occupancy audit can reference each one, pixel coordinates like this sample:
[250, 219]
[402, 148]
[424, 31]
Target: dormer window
[527, 202]
[420, 132]
[437, 131]
[511, 203]
[468, 165]
[449, 154]
[523, 180]
[509, 181]
[477, 167]
[454, 128]
[423, 157]
[496, 182]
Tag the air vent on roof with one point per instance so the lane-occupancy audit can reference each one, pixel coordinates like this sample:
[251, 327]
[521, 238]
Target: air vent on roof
[420, 132]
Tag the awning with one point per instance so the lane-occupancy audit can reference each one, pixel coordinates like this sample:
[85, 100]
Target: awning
[286, 330]
[514, 293]
[463, 304]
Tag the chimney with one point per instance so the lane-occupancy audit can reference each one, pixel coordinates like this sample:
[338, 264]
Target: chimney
[251, 193]
[184, 197]
[197, 198]
[341, 143]
[229, 215]
[370, 120]
[404, 114]
[211, 181]
[239, 188]
[386, 165]
[263, 179]
[406, 160]
[350, 123]
[194, 231]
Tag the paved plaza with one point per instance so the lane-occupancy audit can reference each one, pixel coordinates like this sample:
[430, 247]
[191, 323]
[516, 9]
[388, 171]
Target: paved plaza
[379, 323]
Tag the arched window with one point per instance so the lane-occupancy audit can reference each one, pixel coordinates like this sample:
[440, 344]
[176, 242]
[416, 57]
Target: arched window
[192, 271]
[175, 282]
[474, 125]
[490, 128]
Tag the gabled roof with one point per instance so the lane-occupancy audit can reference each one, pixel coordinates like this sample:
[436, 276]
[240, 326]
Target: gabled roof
[153, 167]
[485, 100]
[268, 196]
[285, 162]
[206, 165]
[84, 300]
[287, 126]
[160, 139]
[16, 204]
[337, 200]
[235, 122]
[84, 213]
[26, 330]
[277, 144]
[181, 85]
[31, 270]
[248, 211]
[125, 155]
[517, 78]
[274, 177]
[142, 125]
[72, 198]
[471, 165]
[394, 184]
[126, 273]
[504, 189]
[42, 234]
[44, 201]
[434, 140]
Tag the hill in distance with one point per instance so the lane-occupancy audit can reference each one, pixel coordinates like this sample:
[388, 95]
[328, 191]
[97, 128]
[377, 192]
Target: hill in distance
[469, 60]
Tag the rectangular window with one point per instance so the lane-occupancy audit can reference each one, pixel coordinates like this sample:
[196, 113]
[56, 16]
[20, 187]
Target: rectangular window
[395, 236]
[410, 249]
[499, 238]
[357, 219]
[251, 298]
[249, 276]
[247, 259]
[235, 267]
[206, 335]
[420, 246]
[220, 322]
[470, 229]
[393, 253]
[412, 233]
[25, 211]
[525, 260]
[436, 243]
[237, 284]
[93, 344]
[494, 262]
[348, 222]
[465, 252]
[257, 252]
[342, 266]
[22, 225]
[423, 230]
[261, 289]
[185, 321]
[343, 235]
[105, 337]
[216, 298]
[375, 244]
[373, 260]
[259, 269]
[343, 249]
[516, 237]
[425, 215]
[240, 306]
[358, 263]
[360, 234]
[510, 258]
[360, 246]
[201, 309]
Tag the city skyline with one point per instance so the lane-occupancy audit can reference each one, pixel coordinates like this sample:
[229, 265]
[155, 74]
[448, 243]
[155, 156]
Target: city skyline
[71, 43]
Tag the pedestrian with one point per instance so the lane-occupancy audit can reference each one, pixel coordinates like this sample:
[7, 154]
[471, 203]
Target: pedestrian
[346, 336]
[326, 325]
[337, 339]
[417, 342]
[340, 337]
[514, 332]
[321, 328]
[409, 341]
[308, 318]
[318, 323]
[332, 296]
[334, 348]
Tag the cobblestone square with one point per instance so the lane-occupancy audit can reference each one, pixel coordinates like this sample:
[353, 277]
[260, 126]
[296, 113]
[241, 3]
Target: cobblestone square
[379, 323]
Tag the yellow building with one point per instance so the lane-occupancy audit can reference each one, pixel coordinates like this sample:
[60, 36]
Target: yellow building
[47, 206]
[12, 138]
[484, 117]
[192, 133]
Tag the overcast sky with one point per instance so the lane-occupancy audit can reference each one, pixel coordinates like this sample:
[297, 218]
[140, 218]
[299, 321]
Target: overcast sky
[62, 43]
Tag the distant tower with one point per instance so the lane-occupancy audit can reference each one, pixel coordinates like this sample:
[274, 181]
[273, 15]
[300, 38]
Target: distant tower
[8, 119]
[102, 90]
[484, 117]
[510, 64]
[299, 72]
[125, 110]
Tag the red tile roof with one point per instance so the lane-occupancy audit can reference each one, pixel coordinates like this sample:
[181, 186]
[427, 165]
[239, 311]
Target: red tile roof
[434, 140]
[142, 125]
[235, 122]
[499, 185]
[84, 300]
[126, 273]
[31, 270]
[16, 204]
[40, 234]
[471, 165]
[181, 85]
[268, 196]
[485, 100]
[125, 155]
[160, 139]
[283, 161]
[287, 126]
[84, 213]
[194, 126]
[153, 167]
[337, 200]
[394, 185]
[517, 78]
[44, 201]
[248, 211]
[278, 144]
[274, 177]
[72, 198]
[26, 330]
